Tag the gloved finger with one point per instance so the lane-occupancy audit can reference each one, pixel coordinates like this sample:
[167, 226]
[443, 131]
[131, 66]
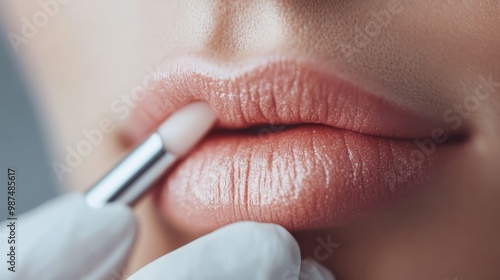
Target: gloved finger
[66, 239]
[245, 250]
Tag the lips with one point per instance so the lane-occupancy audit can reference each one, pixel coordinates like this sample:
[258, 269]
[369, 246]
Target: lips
[295, 145]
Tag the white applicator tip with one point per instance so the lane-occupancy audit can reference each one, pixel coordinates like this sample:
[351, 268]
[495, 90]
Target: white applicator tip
[186, 127]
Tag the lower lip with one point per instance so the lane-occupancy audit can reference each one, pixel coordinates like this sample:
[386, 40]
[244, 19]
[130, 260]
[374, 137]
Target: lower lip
[307, 177]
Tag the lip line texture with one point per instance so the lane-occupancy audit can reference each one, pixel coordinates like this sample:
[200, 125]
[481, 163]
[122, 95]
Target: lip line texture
[243, 99]
[353, 155]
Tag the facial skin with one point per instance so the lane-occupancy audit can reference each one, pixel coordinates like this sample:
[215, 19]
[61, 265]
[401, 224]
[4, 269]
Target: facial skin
[431, 54]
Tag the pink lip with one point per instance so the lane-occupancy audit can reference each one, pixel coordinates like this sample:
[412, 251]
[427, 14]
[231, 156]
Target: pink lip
[343, 152]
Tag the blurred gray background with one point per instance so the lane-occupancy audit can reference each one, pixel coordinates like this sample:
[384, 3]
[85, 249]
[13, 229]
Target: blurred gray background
[22, 145]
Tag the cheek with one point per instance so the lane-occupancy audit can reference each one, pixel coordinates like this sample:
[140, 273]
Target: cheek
[451, 30]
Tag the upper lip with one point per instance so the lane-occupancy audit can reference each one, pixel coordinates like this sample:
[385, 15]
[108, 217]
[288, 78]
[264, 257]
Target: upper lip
[275, 91]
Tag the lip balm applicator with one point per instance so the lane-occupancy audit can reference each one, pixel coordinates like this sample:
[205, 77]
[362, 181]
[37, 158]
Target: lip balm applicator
[135, 174]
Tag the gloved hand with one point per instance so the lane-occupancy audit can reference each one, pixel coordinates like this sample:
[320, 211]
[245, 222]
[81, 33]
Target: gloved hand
[245, 250]
[67, 239]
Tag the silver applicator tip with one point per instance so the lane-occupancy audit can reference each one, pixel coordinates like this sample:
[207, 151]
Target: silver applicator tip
[133, 176]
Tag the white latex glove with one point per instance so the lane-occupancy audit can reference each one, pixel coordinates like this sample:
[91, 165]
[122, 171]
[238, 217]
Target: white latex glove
[67, 239]
[245, 250]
